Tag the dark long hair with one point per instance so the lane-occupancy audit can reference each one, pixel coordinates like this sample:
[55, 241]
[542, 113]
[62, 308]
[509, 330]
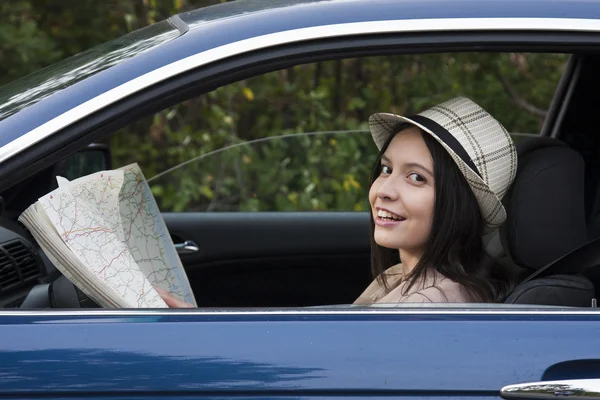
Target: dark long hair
[455, 247]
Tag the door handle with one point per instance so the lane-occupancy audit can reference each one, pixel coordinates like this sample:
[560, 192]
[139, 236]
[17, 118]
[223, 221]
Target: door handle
[187, 247]
[572, 389]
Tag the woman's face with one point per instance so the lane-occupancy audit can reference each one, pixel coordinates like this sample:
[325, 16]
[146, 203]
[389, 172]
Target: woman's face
[402, 196]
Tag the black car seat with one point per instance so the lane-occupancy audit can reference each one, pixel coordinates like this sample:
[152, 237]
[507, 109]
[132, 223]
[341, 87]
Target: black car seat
[545, 232]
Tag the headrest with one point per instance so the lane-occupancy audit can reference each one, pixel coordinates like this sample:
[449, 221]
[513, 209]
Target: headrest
[545, 206]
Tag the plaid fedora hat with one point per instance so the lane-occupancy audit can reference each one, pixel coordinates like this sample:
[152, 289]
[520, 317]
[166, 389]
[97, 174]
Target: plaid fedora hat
[480, 146]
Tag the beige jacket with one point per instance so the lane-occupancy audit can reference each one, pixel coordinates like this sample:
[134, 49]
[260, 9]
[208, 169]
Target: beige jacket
[436, 289]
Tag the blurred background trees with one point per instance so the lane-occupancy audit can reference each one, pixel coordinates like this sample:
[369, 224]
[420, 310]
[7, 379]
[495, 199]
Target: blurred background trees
[36, 33]
[325, 163]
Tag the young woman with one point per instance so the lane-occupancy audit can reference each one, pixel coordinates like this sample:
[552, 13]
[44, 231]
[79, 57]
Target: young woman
[436, 188]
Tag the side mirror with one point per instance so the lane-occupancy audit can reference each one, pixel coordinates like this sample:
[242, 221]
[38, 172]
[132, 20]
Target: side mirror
[94, 158]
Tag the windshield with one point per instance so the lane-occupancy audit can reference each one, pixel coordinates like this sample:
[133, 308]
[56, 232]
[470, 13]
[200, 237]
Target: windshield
[40, 84]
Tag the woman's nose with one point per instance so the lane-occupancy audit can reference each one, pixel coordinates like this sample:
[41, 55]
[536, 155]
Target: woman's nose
[387, 190]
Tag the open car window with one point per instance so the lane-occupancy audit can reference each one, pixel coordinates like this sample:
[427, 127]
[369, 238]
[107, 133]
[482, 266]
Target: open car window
[263, 182]
[297, 139]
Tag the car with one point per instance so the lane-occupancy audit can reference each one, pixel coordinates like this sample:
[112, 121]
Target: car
[276, 252]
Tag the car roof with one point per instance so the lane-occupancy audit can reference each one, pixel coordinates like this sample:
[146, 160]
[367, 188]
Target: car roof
[289, 13]
[232, 22]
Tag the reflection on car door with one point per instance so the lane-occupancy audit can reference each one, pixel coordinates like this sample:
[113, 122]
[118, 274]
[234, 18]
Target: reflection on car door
[339, 351]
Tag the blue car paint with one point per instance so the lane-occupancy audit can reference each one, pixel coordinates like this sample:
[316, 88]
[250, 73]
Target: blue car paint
[351, 354]
[232, 22]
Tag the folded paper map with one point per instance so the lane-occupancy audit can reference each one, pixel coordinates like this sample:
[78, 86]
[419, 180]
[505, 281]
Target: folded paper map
[105, 233]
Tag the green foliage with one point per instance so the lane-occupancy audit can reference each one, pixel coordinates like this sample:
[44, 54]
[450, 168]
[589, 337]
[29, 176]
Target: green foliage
[318, 153]
[294, 139]
[24, 45]
[36, 33]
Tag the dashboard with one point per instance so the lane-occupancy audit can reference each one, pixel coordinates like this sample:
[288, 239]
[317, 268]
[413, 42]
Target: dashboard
[23, 265]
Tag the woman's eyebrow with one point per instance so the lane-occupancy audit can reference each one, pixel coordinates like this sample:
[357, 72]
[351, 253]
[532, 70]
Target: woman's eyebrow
[384, 158]
[417, 165]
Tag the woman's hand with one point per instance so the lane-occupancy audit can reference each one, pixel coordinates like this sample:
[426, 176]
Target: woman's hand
[171, 301]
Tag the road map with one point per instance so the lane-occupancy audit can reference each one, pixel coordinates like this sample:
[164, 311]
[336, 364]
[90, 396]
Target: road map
[111, 223]
[147, 237]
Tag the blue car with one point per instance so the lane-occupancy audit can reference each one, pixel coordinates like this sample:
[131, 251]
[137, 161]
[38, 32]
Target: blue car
[275, 288]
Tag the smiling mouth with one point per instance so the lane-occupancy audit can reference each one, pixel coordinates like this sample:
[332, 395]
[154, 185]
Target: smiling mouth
[388, 216]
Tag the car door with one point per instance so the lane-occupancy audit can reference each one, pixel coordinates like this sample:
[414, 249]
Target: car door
[410, 353]
[331, 350]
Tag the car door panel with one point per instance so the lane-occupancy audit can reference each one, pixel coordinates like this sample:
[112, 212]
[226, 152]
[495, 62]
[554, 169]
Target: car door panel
[308, 353]
[274, 259]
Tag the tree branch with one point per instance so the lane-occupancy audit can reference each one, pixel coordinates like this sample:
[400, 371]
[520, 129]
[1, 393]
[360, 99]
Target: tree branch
[519, 101]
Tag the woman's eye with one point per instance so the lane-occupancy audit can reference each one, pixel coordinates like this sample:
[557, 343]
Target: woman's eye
[416, 178]
[386, 170]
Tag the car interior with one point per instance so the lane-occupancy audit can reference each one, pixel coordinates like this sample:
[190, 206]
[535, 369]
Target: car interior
[256, 259]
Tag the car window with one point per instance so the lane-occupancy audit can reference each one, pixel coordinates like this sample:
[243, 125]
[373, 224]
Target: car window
[297, 139]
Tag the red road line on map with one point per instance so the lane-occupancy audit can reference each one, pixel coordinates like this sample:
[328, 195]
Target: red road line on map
[97, 228]
[93, 230]
[110, 263]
